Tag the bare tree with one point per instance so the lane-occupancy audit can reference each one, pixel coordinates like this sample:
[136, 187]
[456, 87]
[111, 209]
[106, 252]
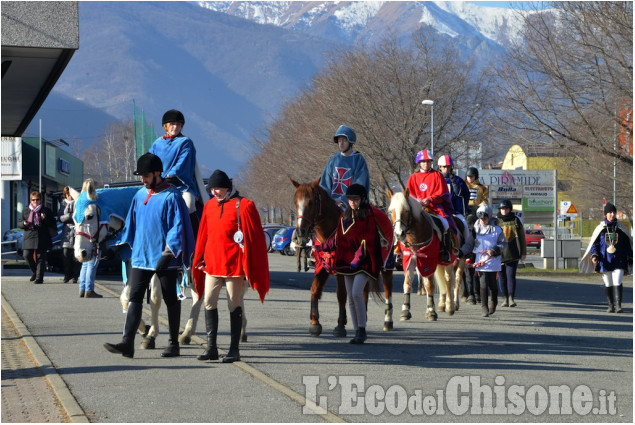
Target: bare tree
[112, 159]
[569, 83]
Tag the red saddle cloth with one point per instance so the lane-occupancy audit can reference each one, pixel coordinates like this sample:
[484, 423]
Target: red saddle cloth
[427, 257]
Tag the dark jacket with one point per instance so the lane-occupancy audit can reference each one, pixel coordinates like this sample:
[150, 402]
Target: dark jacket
[515, 234]
[38, 237]
[65, 216]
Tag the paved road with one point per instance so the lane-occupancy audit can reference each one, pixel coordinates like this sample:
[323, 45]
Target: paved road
[444, 371]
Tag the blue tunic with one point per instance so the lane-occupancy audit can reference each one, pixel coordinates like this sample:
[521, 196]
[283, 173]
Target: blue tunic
[623, 255]
[341, 172]
[151, 227]
[179, 159]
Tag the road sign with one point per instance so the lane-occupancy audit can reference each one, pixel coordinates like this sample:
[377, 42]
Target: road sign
[572, 210]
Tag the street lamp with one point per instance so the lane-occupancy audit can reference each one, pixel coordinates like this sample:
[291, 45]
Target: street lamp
[431, 103]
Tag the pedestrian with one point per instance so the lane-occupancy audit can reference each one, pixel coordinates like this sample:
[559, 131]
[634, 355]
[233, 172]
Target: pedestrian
[471, 279]
[479, 193]
[345, 168]
[39, 227]
[88, 271]
[300, 243]
[178, 155]
[489, 243]
[358, 257]
[159, 232]
[230, 248]
[65, 216]
[610, 253]
[516, 250]
[428, 186]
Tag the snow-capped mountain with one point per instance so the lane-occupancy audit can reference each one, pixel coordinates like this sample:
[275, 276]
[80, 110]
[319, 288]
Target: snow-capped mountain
[368, 20]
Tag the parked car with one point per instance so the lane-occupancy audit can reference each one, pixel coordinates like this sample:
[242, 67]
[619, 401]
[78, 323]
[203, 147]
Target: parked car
[16, 235]
[534, 237]
[270, 231]
[282, 241]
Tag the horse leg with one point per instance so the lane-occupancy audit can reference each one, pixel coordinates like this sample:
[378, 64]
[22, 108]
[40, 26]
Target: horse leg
[340, 329]
[387, 280]
[192, 321]
[450, 302]
[124, 298]
[155, 304]
[317, 287]
[459, 293]
[431, 314]
[407, 287]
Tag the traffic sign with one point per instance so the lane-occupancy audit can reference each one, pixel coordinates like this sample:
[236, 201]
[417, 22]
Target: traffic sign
[571, 210]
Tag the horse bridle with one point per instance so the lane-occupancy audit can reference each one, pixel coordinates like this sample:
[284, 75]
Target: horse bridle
[317, 214]
[93, 238]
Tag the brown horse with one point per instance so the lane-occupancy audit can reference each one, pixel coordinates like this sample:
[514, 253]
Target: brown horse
[319, 214]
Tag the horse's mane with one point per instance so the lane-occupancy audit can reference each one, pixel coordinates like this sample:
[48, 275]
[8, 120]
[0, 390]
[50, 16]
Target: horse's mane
[407, 202]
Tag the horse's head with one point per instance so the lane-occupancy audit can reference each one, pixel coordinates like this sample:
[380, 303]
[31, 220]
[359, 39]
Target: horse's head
[89, 231]
[404, 212]
[308, 205]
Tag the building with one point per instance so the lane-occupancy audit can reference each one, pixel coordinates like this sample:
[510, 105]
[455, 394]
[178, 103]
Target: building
[38, 41]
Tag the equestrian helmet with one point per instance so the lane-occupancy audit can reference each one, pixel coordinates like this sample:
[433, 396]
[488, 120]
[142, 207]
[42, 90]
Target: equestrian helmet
[356, 190]
[484, 211]
[173, 116]
[347, 132]
[148, 163]
[472, 172]
[423, 155]
[505, 203]
[446, 161]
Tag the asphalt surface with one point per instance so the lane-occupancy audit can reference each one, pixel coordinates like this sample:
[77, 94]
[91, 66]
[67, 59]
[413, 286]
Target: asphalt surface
[451, 370]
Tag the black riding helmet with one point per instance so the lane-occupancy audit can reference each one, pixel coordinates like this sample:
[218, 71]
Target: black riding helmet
[356, 190]
[472, 172]
[505, 203]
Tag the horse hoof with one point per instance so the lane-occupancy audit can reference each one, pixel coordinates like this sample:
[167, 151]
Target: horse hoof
[185, 339]
[387, 326]
[339, 331]
[431, 316]
[405, 315]
[147, 344]
[441, 308]
[451, 312]
[315, 330]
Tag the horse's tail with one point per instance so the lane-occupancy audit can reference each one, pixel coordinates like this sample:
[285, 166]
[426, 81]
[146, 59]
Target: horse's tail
[375, 289]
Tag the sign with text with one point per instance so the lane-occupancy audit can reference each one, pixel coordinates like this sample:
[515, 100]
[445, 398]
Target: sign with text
[536, 188]
[11, 158]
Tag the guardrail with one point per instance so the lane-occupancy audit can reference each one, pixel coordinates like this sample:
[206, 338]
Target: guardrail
[10, 252]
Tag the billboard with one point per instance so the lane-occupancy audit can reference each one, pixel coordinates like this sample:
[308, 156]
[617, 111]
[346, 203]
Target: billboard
[534, 189]
[11, 158]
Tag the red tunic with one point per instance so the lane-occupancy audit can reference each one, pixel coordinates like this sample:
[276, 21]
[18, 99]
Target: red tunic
[224, 257]
[430, 185]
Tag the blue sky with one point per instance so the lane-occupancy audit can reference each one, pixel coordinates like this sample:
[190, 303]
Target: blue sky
[507, 4]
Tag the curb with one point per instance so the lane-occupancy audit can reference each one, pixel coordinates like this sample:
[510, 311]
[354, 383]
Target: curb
[66, 399]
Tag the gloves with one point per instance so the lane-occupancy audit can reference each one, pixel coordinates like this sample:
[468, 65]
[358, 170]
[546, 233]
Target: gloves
[354, 266]
[164, 262]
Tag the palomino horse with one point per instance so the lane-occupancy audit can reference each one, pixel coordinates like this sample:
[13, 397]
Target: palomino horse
[317, 212]
[105, 209]
[418, 236]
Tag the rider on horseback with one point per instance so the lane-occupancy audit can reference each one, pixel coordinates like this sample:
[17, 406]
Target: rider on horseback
[429, 187]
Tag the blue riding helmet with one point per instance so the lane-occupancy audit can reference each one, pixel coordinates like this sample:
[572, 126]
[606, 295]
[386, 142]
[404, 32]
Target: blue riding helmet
[346, 132]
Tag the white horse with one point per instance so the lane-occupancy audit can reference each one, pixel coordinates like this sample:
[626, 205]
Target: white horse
[106, 210]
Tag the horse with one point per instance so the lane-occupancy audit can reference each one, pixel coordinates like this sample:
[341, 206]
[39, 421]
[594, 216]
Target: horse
[318, 213]
[418, 234]
[105, 210]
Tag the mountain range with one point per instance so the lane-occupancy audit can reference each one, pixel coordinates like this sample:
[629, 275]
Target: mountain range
[230, 66]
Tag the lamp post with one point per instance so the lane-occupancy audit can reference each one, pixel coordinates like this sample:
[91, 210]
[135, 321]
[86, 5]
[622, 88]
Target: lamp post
[431, 103]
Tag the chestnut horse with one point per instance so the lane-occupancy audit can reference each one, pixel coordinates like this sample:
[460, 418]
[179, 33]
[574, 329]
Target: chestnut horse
[319, 214]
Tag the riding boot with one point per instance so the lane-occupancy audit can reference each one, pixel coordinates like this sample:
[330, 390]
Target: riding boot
[174, 324]
[133, 318]
[211, 323]
[484, 301]
[493, 302]
[608, 291]
[617, 294]
[446, 247]
[235, 324]
[360, 336]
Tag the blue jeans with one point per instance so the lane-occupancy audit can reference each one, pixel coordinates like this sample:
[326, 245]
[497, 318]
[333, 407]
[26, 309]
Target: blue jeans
[88, 273]
[507, 278]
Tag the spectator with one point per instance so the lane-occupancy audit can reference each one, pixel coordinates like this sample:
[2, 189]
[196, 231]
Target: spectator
[65, 216]
[516, 250]
[39, 226]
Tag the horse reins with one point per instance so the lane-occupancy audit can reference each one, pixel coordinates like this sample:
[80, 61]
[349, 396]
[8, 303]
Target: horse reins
[408, 232]
[93, 238]
[318, 214]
